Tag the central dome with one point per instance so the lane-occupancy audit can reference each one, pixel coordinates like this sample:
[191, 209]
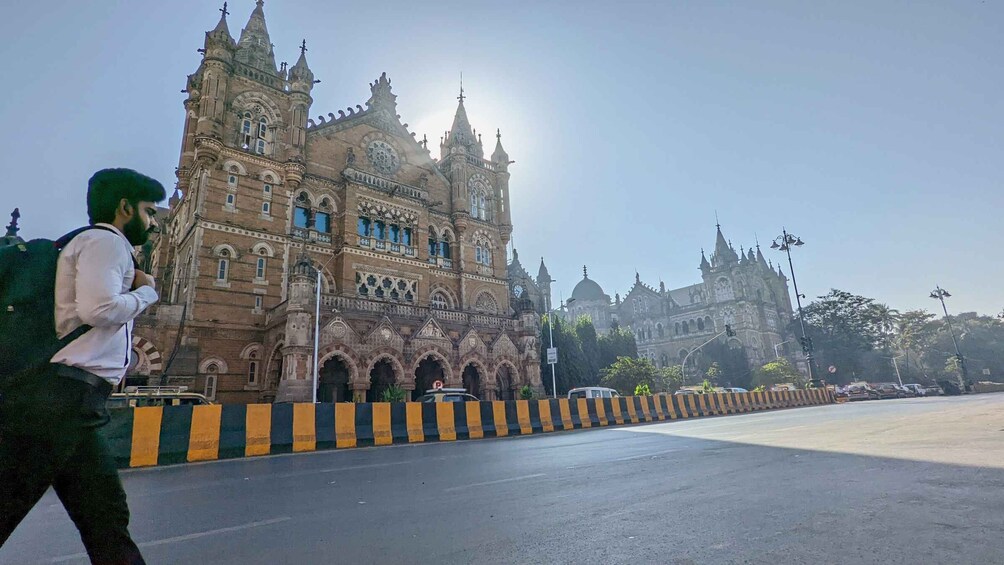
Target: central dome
[588, 289]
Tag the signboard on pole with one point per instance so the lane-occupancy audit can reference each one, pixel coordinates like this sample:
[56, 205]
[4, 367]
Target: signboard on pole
[552, 355]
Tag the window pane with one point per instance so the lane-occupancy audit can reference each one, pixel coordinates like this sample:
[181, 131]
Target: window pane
[395, 234]
[379, 230]
[406, 237]
[260, 269]
[300, 217]
[266, 207]
[363, 227]
[445, 249]
[432, 247]
[222, 271]
[322, 221]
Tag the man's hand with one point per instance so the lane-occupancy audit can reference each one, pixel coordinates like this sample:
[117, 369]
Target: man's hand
[142, 279]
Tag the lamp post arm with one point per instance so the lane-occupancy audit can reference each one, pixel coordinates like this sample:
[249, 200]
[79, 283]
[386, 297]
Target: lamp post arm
[683, 366]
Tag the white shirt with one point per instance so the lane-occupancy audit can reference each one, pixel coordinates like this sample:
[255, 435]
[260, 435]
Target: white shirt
[93, 276]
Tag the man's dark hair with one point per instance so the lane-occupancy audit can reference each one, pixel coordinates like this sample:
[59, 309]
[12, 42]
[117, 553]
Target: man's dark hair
[109, 186]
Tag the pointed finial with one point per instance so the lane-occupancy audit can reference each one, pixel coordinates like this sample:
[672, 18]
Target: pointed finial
[224, 10]
[303, 45]
[717, 223]
[585, 273]
[461, 97]
[498, 134]
[12, 229]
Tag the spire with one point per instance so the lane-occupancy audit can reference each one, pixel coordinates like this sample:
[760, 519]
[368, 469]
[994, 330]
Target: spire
[759, 256]
[742, 255]
[499, 156]
[221, 33]
[12, 238]
[380, 94]
[585, 273]
[637, 278]
[542, 274]
[254, 47]
[461, 133]
[705, 266]
[300, 74]
[750, 256]
[723, 250]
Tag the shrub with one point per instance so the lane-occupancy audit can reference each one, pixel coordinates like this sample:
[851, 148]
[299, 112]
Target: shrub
[394, 393]
[642, 390]
[526, 393]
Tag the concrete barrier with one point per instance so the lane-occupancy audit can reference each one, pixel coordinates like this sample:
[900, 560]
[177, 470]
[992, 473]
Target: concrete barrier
[157, 435]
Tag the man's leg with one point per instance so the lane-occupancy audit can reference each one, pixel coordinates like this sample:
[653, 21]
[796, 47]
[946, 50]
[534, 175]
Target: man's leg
[89, 487]
[28, 465]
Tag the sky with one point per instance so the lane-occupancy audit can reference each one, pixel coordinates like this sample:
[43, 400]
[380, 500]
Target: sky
[872, 130]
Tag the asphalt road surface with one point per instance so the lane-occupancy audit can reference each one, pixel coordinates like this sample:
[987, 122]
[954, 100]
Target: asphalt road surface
[895, 481]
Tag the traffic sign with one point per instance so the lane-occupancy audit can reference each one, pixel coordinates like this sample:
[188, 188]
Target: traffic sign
[832, 369]
[552, 355]
[437, 384]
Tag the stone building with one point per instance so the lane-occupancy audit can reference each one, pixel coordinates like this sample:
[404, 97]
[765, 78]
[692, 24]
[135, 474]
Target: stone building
[410, 248]
[741, 289]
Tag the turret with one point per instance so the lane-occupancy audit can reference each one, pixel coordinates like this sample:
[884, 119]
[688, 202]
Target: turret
[255, 47]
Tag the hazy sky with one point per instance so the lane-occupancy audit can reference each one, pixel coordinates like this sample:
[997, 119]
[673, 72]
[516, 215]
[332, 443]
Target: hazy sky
[873, 130]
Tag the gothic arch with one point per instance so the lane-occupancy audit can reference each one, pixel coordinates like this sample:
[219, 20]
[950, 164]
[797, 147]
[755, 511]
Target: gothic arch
[436, 353]
[149, 350]
[249, 349]
[220, 364]
[343, 353]
[225, 246]
[391, 355]
[517, 377]
[479, 364]
[264, 175]
[270, 368]
[248, 100]
[260, 246]
[230, 163]
[486, 302]
[450, 296]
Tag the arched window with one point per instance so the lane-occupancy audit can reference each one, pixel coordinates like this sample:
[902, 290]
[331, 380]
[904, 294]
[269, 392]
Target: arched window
[700, 324]
[223, 266]
[259, 272]
[686, 328]
[246, 134]
[394, 233]
[659, 331]
[648, 333]
[322, 222]
[266, 208]
[708, 324]
[480, 204]
[301, 213]
[253, 368]
[676, 329]
[444, 247]
[363, 227]
[433, 244]
[438, 301]
[379, 230]
[406, 236]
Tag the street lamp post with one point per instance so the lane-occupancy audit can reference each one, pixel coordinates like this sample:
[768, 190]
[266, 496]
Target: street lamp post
[784, 242]
[941, 294]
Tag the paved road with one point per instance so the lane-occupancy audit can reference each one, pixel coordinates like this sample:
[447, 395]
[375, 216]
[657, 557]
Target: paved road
[899, 481]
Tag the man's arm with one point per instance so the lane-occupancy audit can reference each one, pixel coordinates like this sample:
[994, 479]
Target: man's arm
[101, 268]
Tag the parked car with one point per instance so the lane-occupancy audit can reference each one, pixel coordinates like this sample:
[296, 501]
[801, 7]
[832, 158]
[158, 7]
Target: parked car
[857, 392]
[905, 391]
[138, 396]
[950, 388]
[887, 390]
[917, 389]
[783, 386]
[447, 395]
[593, 392]
[933, 390]
[735, 389]
[685, 391]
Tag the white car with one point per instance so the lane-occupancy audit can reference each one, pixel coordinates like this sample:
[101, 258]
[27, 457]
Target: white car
[593, 392]
[736, 389]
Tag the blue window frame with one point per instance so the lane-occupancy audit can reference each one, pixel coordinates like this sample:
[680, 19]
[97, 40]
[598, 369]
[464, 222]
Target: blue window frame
[300, 217]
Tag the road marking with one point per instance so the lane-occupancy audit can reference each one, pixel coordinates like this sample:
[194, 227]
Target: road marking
[187, 537]
[651, 455]
[500, 481]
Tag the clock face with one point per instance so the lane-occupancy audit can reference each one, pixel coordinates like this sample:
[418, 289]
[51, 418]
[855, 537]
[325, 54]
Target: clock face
[517, 291]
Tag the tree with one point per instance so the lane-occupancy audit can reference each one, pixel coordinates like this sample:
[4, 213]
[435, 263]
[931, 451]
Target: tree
[848, 332]
[777, 371]
[572, 369]
[724, 363]
[628, 373]
[586, 334]
[618, 342]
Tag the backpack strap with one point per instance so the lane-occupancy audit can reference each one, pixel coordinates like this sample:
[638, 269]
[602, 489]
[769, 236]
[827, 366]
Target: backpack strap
[62, 243]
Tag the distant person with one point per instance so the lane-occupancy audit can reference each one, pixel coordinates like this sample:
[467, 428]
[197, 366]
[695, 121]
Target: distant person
[50, 414]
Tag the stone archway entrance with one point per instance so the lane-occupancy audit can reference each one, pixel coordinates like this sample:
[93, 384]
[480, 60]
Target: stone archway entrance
[471, 380]
[333, 381]
[381, 378]
[504, 377]
[429, 370]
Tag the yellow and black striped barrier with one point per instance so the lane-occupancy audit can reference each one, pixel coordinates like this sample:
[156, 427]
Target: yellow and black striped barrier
[159, 435]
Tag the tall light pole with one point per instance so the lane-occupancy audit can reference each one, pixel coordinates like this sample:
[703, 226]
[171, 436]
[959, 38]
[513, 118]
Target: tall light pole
[941, 294]
[784, 242]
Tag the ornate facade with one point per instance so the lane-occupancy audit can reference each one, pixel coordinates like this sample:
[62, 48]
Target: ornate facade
[410, 248]
[741, 289]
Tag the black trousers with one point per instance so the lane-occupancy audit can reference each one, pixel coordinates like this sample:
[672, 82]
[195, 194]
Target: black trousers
[49, 436]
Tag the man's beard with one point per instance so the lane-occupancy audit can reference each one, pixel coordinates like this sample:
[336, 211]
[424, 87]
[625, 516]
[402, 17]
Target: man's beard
[135, 232]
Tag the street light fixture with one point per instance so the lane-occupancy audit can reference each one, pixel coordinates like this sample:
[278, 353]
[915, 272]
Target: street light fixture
[784, 242]
[941, 294]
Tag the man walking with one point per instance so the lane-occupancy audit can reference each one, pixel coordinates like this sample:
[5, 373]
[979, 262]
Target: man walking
[50, 415]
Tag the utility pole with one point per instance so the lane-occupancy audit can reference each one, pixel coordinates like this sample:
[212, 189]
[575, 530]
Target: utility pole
[941, 294]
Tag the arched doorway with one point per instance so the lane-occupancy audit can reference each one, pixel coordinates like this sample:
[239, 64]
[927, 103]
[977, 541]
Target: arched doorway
[381, 378]
[471, 380]
[333, 381]
[429, 370]
[504, 377]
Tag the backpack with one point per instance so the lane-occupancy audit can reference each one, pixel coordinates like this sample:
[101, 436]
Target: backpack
[28, 304]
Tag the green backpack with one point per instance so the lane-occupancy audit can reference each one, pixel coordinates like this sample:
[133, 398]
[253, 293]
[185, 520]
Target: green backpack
[28, 304]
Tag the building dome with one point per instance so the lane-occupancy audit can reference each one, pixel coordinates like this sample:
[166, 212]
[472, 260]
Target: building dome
[588, 290]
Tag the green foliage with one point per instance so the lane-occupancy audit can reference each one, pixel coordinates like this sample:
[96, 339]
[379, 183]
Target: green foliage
[629, 373]
[707, 387]
[526, 393]
[642, 390]
[713, 372]
[759, 388]
[582, 355]
[721, 362]
[777, 371]
[394, 393]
